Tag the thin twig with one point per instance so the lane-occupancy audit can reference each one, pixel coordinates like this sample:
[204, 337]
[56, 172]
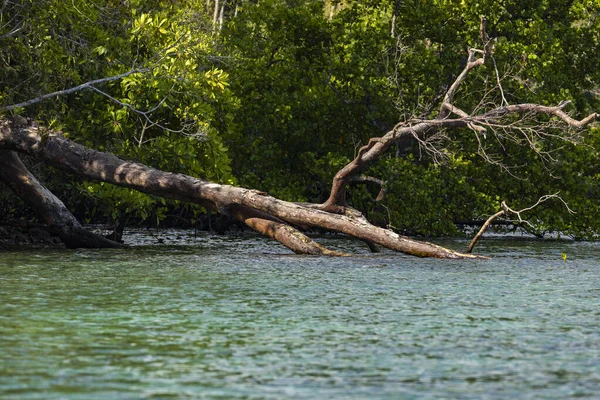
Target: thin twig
[504, 102]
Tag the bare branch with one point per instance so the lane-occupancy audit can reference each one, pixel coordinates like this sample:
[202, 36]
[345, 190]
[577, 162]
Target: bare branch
[472, 62]
[499, 81]
[85, 85]
[187, 128]
[377, 181]
[506, 210]
[541, 200]
[484, 227]
[455, 110]
[557, 111]
[11, 33]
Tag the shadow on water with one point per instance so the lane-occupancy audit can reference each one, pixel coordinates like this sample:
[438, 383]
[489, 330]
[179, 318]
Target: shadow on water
[242, 318]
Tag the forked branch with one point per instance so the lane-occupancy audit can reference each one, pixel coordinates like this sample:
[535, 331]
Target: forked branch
[494, 121]
[506, 210]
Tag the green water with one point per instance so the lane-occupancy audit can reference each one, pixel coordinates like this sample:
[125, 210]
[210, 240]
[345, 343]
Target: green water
[242, 319]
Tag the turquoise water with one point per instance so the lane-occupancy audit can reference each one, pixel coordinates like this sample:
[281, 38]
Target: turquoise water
[241, 318]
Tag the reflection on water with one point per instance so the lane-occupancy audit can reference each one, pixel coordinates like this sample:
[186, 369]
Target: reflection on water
[241, 318]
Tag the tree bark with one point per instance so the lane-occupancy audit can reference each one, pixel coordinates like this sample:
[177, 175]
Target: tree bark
[395, 13]
[280, 231]
[48, 207]
[482, 230]
[222, 15]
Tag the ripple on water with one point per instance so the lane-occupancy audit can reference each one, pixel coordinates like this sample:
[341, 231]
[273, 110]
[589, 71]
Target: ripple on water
[221, 318]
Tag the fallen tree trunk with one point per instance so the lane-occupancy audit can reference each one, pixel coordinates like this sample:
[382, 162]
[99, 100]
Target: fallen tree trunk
[258, 210]
[47, 207]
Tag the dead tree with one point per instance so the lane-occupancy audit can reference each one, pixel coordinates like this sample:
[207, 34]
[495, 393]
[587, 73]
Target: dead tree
[268, 215]
[487, 122]
[279, 219]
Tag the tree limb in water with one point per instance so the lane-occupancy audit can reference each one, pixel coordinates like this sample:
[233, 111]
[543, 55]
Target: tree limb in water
[48, 207]
[506, 210]
[67, 155]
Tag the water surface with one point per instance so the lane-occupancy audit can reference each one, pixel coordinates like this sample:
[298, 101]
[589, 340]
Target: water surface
[210, 317]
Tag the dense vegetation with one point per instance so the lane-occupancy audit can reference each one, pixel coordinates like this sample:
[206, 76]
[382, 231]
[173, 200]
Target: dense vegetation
[278, 95]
